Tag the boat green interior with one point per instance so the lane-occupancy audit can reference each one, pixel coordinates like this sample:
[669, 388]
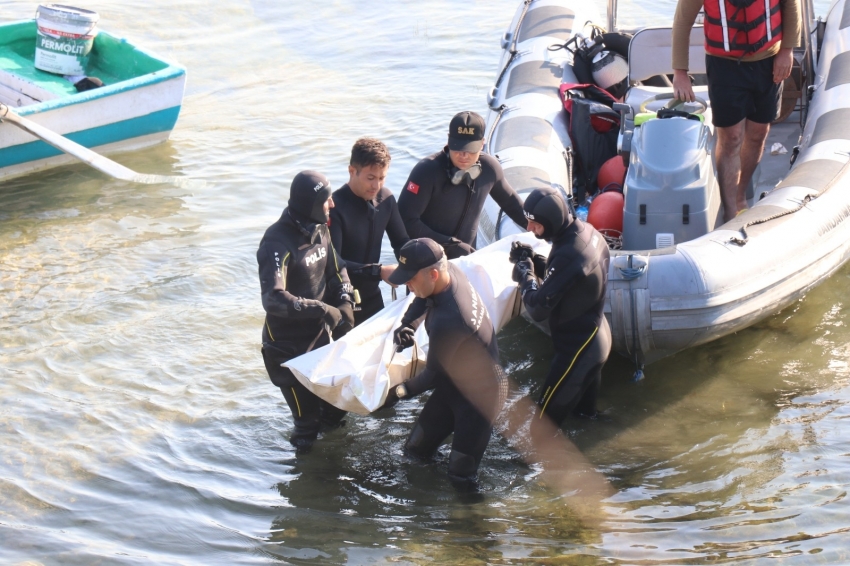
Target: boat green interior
[112, 59]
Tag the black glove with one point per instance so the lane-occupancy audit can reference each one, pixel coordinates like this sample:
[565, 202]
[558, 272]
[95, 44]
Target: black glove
[519, 251]
[332, 316]
[539, 262]
[522, 269]
[403, 336]
[455, 248]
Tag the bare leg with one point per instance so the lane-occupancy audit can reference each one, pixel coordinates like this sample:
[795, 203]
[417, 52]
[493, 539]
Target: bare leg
[728, 159]
[755, 135]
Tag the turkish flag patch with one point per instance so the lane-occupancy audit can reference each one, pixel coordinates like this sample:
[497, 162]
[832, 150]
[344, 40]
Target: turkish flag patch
[413, 188]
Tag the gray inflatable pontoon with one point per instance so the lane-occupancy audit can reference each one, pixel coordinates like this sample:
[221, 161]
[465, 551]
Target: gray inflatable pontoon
[678, 288]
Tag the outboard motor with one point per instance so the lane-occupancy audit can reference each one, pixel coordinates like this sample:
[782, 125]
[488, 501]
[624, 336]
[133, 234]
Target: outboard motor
[671, 192]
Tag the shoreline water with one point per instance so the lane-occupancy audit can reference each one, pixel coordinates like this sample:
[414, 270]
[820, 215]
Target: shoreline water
[138, 424]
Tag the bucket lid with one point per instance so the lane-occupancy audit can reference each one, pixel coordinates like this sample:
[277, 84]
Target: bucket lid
[68, 13]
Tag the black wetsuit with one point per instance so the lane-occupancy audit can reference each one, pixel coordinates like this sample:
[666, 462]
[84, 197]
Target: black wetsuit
[432, 207]
[572, 296]
[463, 369]
[300, 274]
[357, 227]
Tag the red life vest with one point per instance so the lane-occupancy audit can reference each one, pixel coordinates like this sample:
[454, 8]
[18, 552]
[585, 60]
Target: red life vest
[737, 28]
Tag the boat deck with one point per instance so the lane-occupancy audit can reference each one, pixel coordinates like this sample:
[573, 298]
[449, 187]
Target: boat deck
[773, 168]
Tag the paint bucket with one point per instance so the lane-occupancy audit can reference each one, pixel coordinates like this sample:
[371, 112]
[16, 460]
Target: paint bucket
[64, 40]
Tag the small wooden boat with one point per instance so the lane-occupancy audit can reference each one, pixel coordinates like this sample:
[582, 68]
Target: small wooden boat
[136, 107]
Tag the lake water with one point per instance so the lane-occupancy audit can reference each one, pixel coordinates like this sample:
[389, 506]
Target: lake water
[138, 425]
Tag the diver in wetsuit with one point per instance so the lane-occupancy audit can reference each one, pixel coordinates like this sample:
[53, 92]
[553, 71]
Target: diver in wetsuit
[463, 360]
[571, 295]
[445, 192]
[363, 210]
[306, 295]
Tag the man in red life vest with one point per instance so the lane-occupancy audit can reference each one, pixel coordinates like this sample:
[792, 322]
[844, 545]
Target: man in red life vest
[749, 52]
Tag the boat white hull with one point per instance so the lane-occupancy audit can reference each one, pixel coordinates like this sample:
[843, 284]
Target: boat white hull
[123, 116]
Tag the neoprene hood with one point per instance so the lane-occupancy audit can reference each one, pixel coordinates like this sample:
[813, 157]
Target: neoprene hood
[548, 208]
[308, 194]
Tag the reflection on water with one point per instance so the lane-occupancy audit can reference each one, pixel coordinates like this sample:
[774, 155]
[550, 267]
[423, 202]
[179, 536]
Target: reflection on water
[137, 423]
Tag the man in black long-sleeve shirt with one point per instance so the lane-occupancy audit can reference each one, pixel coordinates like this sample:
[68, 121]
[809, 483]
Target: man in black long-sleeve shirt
[306, 295]
[363, 210]
[445, 192]
[463, 360]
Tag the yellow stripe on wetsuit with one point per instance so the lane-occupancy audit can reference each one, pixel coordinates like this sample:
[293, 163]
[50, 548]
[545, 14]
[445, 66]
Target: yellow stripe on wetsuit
[572, 363]
[283, 279]
[297, 404]
[336, 263]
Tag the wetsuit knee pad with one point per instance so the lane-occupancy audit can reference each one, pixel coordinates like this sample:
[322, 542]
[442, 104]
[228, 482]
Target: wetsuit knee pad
[304, 433]
[586, 406]
[417, 444]
[462, 467]
[305, 418]
[279, 376]
[302, 444]
[331, 417]
[306, 426]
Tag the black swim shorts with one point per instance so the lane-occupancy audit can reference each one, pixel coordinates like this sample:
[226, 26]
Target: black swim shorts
[739, 90]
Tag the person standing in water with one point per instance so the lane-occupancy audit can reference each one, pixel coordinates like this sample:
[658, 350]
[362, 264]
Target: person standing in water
[306, 295]
[445, 192]
[363, 210]
[463, 361]
[571, 296]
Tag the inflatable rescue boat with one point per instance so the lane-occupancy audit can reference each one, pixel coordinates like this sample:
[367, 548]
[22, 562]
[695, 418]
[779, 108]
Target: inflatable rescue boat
[680, 276]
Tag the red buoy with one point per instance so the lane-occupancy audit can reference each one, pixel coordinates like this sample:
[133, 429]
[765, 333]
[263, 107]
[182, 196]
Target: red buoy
[612, 172]
[606, 213]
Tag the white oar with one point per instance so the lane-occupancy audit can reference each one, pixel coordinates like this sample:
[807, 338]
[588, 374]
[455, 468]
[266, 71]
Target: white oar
[84, 154]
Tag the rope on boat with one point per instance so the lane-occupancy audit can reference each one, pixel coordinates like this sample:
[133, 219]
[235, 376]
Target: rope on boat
[632, 273]
[501, 110]
[497, 232]
[513, 50]
[806, 200]
[505, 69]
[743, 229]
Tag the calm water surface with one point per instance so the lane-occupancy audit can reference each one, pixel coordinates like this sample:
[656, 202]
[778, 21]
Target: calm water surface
[138, 425]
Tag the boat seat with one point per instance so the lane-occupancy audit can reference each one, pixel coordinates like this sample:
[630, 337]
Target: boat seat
[651, 54]
[21, 76]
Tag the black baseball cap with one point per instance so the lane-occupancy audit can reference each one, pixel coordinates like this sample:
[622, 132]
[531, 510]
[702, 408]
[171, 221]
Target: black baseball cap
[466, 132]
[415, 255]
